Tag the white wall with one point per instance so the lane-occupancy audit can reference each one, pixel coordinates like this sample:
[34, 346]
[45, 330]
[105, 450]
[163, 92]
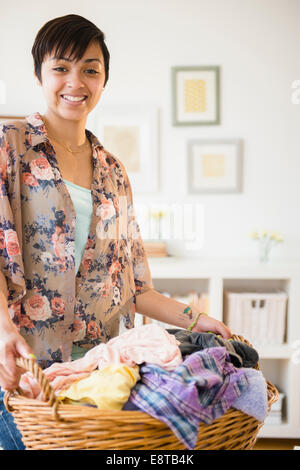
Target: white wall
[256, 43]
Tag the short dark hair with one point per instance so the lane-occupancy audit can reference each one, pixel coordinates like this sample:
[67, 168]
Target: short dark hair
[60, 34]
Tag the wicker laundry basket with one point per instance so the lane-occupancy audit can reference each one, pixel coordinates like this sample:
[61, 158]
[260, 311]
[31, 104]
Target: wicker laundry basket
[51, 425]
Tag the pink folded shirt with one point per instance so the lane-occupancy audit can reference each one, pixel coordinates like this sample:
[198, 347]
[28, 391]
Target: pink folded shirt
[147, 343]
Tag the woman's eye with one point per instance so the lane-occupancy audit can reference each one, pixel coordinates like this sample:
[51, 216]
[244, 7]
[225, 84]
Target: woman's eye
[59, 69]
[92, 71]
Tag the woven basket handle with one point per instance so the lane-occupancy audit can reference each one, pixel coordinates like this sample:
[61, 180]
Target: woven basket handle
[31, 365]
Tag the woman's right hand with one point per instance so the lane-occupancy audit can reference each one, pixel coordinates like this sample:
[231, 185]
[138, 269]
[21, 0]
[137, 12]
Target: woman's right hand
[12, 345]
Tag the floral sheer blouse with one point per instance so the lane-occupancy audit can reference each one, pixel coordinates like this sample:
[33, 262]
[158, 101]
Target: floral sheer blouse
[51, 305]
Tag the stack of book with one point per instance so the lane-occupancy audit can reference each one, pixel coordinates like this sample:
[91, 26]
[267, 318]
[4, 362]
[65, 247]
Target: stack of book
[196, 300]
[275, 415]
[155, 249]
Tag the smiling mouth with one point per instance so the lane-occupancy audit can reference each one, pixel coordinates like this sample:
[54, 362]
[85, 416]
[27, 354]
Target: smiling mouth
[74, 99]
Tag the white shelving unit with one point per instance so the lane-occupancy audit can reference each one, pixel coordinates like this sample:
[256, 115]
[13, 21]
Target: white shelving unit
[179, 276]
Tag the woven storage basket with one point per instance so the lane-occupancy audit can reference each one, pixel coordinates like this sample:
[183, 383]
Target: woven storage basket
[51, 425]
[258, 316]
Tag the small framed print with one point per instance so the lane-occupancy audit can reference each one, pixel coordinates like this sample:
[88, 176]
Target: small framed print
[214, 166]
[196, 95]
[131, 134]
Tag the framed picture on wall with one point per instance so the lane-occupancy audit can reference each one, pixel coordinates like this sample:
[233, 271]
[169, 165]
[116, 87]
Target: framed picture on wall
[214, 166]
[196, 95]
[131, 134]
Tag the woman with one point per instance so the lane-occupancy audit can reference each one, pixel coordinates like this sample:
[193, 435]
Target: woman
[73, 267]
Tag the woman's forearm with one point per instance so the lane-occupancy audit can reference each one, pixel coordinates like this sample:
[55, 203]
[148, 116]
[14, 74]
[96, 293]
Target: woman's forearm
[162, 308]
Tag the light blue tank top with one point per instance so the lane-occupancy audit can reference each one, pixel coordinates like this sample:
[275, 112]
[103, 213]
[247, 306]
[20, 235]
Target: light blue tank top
[83, 205]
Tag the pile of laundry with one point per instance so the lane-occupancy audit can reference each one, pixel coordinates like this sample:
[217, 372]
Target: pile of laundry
[179, 377]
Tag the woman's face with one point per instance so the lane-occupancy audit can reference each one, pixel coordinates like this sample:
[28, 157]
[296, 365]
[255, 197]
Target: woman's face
[72, 89]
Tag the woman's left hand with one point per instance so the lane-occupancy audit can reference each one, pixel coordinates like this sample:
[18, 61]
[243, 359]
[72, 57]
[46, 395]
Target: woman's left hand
[209, 324]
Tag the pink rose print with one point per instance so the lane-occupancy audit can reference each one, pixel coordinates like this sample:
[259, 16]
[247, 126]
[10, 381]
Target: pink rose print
[25, 321]
[2, 240]
[79, 329]
[113, 271]
[12, 242]
[58, 240]
[14, 311]
[3, 174]
[29, 179]
[117, 295]
[69, 250]
[102, 159]
[58, 306]
[90, 243]
[37, 307]
[93, 330]
[34, 119]
[106, 210]
[5, 151]
[41, 169]
[87, 258]
[61, 265]
[104, 288]
[15, 314]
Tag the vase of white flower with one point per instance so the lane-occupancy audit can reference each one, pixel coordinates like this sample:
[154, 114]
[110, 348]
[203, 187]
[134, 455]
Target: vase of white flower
[266, 240]
[264, 249]
[156, 246]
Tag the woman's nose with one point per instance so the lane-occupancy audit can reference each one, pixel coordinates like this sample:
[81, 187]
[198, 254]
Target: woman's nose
[75, 81]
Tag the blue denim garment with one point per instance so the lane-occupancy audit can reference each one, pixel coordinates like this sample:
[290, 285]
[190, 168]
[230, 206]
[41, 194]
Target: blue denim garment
[10, 436]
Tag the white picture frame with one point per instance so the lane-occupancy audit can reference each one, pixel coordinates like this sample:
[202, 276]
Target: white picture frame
[196, 95]
[131, 134]
[214, 166]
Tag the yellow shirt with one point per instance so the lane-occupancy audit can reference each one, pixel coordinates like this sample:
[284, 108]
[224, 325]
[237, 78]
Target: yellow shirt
[108, 388]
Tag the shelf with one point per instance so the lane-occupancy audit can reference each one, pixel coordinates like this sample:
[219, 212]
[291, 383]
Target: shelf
[281, 351]
[279, 431]
[176, 267]
[256, 285]
[181, 286]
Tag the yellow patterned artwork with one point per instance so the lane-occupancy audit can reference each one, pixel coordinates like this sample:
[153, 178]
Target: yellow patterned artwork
[213, 165]
[195, 100]
[196, 95]
[124, 141]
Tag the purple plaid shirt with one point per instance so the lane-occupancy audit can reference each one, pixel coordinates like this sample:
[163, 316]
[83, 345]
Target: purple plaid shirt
[201, 389]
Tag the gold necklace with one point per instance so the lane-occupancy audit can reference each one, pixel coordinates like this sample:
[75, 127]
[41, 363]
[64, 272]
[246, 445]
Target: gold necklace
[86, 143]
